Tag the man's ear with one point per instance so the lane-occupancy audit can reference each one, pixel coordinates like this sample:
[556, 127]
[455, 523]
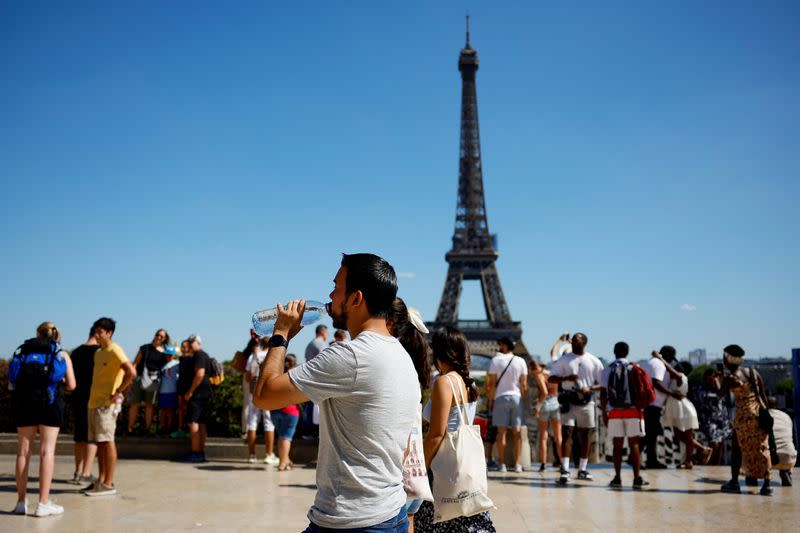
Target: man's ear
[358, 299]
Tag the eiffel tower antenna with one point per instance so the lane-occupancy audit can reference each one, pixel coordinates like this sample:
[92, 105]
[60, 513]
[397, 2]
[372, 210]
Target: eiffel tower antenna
[473, 254]
[467, 29]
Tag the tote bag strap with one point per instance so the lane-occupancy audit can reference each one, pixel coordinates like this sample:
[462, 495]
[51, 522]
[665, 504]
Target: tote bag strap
[462, 409]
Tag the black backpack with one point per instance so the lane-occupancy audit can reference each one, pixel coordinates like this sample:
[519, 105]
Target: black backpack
[619, 395]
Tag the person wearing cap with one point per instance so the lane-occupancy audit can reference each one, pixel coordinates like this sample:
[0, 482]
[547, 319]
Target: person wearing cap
[197, 400]
[659, 376]
[506, 388]
[751, 442]
[578, 373]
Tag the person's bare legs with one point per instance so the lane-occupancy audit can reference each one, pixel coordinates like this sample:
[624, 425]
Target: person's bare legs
[501, 445]
[203, 437]
[88, 458]
[516, 434]
[635, 455]
[584, 436]
[543, 441]
[108, 450]
[80, 453]
[133, 413]
[618, 442]
[269, 442]
[194, 437]
[47, 460]
[181, 412]
[555, 426]
[25, 439]
[284, 446]
[566, 443]
[148, 417]
[101, 462]
[251, 442]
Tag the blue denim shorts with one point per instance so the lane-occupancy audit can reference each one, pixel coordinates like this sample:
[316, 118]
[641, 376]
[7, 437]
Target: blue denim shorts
[284, 424]
[398, 524]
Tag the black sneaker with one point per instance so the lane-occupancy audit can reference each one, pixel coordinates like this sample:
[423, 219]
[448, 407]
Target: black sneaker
[786, 478]
[731, 487]
[564, 478]
[583, 475]
[638, 483]
[765, 490]
[616, 483]
[542, 468]
[751, 481]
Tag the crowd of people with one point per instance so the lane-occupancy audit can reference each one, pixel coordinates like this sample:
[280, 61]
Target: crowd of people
[372, 385]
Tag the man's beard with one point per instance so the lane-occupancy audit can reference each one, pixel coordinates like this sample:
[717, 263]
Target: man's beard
[340, 321]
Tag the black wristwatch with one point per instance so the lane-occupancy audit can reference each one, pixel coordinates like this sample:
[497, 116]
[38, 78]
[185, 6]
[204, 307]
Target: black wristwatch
[277, 341]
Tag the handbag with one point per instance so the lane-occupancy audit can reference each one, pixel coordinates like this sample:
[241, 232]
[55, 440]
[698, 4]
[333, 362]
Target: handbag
[460, 487]
[765, 421]
[148, 379]
[415, 475]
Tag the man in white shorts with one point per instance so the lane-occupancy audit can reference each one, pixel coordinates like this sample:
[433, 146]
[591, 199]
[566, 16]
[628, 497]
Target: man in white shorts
[621, 416]
[578, 373]
[506, 387]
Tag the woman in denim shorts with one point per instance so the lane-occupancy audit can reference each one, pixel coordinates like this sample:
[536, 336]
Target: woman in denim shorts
[547, 409]
[285, 421]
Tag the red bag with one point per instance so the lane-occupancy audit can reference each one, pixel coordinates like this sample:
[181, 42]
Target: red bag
[641, 388]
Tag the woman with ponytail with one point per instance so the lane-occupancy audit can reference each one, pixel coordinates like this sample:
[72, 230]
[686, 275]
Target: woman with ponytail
[407, 326]
[451, 357]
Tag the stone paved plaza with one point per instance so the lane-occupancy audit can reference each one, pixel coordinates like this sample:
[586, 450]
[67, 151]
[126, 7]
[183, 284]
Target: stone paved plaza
[159, 496]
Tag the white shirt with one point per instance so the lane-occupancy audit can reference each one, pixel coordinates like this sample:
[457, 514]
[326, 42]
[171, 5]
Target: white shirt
[509, 385]
[656, 370]
[587, 367]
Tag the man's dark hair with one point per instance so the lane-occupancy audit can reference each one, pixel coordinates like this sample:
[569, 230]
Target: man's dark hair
[375, 278]
[320, 329]
[621, 350]
[92, 331]
[105, 323]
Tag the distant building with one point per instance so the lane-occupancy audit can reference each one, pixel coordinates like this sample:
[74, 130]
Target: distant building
[698, 357]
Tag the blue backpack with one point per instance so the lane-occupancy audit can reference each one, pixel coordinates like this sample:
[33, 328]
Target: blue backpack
[36, 366]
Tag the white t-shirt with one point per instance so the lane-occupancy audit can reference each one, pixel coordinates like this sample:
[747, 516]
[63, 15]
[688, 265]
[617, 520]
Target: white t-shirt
[509, 385]
[368, 394]
[656, 370]
[587, 367]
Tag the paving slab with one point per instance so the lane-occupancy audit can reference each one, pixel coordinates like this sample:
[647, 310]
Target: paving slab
[157, 496]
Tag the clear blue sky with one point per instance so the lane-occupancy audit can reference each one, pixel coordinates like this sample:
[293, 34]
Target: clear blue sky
[183, 164]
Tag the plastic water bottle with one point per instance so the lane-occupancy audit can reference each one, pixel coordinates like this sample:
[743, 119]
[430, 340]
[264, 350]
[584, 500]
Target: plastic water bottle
[264, 321]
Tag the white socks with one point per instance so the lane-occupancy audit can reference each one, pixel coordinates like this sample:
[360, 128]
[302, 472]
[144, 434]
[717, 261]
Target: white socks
[583, 464]
[565, 463]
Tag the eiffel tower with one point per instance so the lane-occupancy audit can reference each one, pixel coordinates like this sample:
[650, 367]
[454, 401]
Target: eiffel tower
[473, 254]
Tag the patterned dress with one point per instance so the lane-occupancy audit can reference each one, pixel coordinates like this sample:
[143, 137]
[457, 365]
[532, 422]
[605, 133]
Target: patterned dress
[753, 441]
[479, 523]
[715, 422]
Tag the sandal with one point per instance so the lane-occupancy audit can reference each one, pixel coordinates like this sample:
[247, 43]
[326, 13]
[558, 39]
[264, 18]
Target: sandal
[685, 466]
[705, 455]
[284, 467]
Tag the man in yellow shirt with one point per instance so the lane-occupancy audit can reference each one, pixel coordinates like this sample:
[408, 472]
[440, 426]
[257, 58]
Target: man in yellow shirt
[112, 376]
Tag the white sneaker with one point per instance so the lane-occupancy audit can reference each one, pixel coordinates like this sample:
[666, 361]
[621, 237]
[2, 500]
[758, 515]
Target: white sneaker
[21, 508]
[518, 469]
[502, 468]
[271, 459]
[48, 509]
[252, 459]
